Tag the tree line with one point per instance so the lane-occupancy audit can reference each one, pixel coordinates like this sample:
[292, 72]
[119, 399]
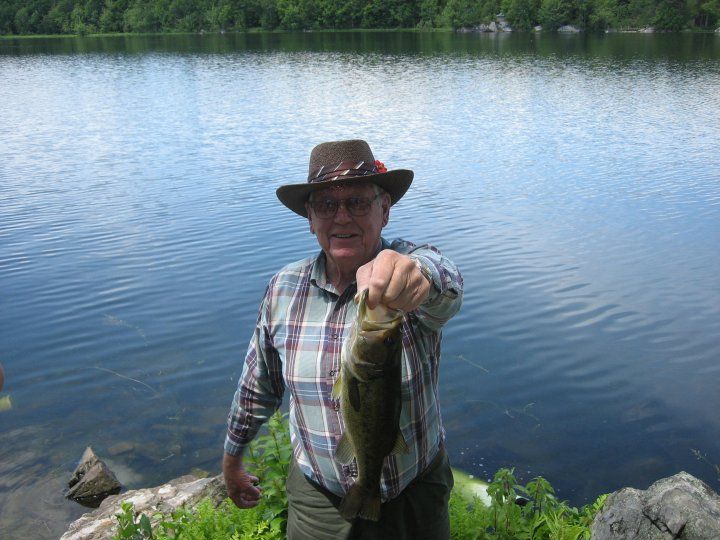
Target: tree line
[107, 16]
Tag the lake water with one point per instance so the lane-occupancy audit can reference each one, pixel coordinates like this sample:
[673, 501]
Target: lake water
[574, 179]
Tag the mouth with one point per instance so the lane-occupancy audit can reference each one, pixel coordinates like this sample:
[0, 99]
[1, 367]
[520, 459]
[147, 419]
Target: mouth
[344, 236]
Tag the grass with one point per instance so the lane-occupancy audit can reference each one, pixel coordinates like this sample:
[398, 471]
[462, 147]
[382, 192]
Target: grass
[515, 511]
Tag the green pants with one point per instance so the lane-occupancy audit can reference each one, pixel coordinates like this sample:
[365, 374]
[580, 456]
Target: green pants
[419, 512]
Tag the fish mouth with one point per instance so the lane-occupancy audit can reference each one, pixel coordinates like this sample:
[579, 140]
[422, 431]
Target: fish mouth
[379, 318]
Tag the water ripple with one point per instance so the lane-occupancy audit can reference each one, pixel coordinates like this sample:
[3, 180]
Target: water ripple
[577, 189]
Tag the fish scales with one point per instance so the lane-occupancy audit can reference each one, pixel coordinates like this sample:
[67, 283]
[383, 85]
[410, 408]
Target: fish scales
[369, 393]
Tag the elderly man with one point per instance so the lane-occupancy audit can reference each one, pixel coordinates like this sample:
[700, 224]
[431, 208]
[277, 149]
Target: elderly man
[307, 311]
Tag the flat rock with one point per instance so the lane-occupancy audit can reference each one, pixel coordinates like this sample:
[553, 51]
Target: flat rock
[568, 28]
[187, 491]
[679, 507]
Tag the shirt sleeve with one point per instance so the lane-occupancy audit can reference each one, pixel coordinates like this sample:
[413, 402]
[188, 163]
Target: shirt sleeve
[446, 291]
[260, 388]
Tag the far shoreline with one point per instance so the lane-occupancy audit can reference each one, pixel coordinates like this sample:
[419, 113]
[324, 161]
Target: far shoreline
[253, 31]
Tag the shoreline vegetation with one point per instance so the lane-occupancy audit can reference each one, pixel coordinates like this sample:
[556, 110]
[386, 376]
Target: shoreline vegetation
[93, 17]
[502, 509]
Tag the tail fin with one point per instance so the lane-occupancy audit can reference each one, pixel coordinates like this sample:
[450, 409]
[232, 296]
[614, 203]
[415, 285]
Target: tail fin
[359, 503]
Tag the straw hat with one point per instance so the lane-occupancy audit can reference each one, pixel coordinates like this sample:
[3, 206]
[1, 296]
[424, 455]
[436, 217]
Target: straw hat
[348, 163]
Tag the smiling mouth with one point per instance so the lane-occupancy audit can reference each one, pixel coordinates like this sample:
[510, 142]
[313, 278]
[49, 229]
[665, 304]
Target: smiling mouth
[343, 236]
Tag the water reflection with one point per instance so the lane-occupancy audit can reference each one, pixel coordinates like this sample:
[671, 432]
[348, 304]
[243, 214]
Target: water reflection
[574, 179]
[619, 47]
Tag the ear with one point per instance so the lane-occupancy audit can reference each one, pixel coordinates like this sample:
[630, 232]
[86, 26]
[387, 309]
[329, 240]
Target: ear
[385, 209]
[310, 221]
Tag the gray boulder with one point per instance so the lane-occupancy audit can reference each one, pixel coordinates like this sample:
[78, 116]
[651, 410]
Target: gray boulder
[185, 491]
[569, 29]
[92, 481]
[680, 507]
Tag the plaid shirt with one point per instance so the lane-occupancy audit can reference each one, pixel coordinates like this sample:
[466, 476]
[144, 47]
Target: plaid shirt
[301, 326]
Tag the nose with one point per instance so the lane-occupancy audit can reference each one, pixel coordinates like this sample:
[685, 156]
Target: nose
[342, 215]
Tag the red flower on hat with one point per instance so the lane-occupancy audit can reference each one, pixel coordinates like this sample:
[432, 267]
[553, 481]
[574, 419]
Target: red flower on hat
[380, 166]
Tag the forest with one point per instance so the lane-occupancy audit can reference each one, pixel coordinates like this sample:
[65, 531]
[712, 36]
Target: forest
[23, 17]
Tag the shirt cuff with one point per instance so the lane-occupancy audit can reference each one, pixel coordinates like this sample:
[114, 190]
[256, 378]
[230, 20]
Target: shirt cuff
[429, 271]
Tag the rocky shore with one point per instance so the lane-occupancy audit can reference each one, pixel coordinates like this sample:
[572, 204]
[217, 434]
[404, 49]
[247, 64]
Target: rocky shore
[184, 491]
[678, 507]
[500, 25]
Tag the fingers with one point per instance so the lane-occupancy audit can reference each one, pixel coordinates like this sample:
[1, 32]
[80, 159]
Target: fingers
[247, 496]
[393, 280]
[382, 274]
[362, 276]
[242, 489]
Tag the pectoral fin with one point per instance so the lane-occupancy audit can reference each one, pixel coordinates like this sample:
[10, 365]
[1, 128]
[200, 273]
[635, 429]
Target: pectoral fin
[400, 447]
[337, 387]
[344, 452]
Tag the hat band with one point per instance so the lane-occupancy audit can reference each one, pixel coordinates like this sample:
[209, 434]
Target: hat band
[344, 168]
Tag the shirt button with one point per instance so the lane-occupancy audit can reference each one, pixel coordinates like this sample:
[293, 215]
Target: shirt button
[332, 373]
[336, 406]
[335, 336]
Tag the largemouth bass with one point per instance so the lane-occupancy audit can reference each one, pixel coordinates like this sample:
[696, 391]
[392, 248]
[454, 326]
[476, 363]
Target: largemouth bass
[369, 391]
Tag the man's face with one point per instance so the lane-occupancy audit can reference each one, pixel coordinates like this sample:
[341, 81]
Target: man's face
[350, 241]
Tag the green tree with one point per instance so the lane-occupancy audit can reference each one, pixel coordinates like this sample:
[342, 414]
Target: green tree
[221, 16]
[22, 21]
[429, 13]
[603, 15]
[184, 15]
[297, 14]
[111, 16]
[636, 13]
[489, 9]
[709, 14]
[555, 13]
[58, 19]
[141, 17]
[460, 13]
[269, 17]
[339, 13]
[671, 15]
[376, 14]
[7, 18]
[520, 14]
[85, 16]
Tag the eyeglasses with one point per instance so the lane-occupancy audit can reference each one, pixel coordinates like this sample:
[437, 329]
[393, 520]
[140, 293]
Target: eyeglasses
[356, 206]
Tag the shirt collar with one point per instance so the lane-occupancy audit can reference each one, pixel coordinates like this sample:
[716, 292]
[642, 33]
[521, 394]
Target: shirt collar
[318, 276]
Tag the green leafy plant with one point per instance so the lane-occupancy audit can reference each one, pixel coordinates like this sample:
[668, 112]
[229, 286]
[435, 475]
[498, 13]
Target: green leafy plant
[528, 512]
[269, 457]
[132, 525]
[515, 511]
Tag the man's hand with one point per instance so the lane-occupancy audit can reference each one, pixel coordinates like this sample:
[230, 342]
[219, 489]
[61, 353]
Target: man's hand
[241, 487]
[393, 280]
